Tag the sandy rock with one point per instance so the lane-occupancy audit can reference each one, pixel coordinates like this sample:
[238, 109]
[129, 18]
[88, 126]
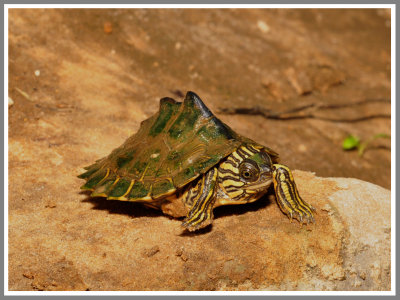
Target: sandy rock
[367, 216]
[110, 245]
[96, 87]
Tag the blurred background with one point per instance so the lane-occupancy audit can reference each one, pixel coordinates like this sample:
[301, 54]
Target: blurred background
[297, 80]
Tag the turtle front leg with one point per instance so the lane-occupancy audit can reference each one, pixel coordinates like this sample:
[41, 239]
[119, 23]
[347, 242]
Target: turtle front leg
[288, 197]
[201, 198]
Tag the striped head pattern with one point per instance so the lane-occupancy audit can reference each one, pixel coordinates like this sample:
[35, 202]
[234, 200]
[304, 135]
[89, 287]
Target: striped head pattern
[245, 175]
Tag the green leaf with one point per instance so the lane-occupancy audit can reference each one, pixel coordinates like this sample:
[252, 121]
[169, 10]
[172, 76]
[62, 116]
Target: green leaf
[350, 142]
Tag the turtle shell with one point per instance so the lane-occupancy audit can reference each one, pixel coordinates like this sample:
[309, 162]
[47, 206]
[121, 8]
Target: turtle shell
[171, 149]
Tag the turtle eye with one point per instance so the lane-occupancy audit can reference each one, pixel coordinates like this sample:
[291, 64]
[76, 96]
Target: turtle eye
[248, 172]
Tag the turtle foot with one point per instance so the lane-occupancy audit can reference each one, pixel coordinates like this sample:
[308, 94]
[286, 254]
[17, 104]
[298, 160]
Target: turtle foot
[193, 224]
[304, 216]
[288, 196]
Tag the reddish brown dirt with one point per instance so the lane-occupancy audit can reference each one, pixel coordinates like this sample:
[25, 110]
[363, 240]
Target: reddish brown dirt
[103, 71]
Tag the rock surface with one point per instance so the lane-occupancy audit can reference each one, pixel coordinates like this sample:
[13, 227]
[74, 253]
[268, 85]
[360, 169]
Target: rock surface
[96, 85]
[82, 81]
[95, 244]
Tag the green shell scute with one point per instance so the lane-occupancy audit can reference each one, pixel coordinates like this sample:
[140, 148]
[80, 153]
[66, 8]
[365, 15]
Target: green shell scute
[185, 122]
[168, 108]
[119, 188]
[94, 179]
[163, 187]
[125, 158]
[139, 190]
[102, 190]
[170, 149]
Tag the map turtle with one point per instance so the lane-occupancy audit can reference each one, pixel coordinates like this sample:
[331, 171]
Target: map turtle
[185, 161]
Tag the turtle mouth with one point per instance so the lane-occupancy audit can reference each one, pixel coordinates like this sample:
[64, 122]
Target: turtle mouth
[260, 186]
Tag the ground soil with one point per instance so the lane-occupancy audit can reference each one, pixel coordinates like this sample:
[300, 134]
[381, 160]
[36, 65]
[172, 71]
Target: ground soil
[81, 81]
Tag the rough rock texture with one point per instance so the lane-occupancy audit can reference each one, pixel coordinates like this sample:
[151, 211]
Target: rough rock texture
[81, 81]
[84, 89]
[94, 244]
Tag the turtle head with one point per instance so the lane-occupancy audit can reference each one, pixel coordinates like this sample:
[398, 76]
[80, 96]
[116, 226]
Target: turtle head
[245, 175]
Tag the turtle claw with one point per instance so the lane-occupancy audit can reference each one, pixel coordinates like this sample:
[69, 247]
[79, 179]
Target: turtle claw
[193, 225]
[304, 217]
[301, 214]
[186, 224]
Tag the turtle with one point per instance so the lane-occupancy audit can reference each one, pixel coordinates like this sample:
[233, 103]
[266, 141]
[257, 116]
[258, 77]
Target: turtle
[185, 161]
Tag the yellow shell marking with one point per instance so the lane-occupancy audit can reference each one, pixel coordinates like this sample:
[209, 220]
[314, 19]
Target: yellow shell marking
[123, 197]
[144, 172]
